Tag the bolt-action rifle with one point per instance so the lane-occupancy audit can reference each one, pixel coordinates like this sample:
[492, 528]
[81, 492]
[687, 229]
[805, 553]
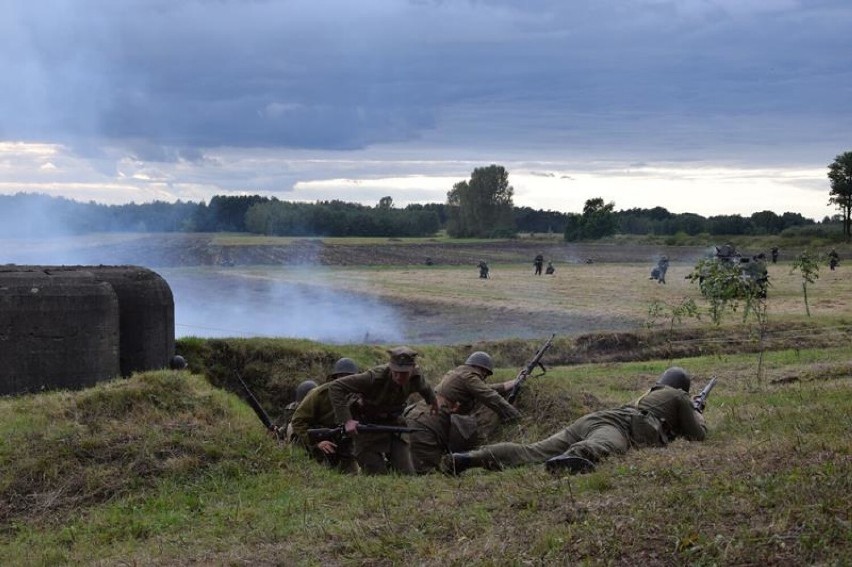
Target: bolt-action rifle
[700, 401]
[527, 370]
[258, 409]
[331, 433]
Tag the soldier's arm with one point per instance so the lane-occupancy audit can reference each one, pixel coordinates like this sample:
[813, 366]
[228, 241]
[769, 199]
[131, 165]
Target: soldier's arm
[690, 421]
[340, 390]
[488, 395]
[426, 391]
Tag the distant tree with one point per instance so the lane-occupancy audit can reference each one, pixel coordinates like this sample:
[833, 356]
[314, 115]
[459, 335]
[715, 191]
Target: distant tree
[385, 203]
[789, 220]
[227, 213]
[729, 224]
[598, 220]
[531, 220]
[482, 207]
[840, 174]
[766, 222]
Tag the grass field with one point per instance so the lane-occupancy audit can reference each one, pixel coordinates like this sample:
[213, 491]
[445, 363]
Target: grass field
[452, 305]
[173, 468]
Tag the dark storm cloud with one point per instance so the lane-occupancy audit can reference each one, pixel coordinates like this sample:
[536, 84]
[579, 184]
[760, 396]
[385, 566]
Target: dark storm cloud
[155, 75]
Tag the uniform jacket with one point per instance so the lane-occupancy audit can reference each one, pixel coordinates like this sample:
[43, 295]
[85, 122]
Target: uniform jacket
[672, 415]
[466, 386]
[313, 412]
[381, 399]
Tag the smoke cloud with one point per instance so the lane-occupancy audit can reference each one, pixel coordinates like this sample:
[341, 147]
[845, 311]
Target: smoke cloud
[223, 305]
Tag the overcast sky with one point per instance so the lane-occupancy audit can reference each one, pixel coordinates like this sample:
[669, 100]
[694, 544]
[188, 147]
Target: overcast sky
[704, 106]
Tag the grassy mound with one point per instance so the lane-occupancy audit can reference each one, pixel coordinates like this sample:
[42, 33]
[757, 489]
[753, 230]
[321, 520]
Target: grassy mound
[66, 451]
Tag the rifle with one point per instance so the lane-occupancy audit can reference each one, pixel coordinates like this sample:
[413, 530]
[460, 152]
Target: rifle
[700, 401]
[258, 409]
[339, 432]
[527, 370]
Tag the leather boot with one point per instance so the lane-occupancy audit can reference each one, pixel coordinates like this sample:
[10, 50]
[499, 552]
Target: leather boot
[569, 464]
[456, 463]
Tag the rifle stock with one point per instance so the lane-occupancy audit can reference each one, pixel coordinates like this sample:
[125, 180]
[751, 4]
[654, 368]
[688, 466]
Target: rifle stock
[527, 370]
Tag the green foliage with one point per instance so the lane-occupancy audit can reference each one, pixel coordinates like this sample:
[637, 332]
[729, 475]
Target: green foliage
[840, 176]
[807, 265]
[482, 207]
[597, 221]
[728, 286]
[337, 218]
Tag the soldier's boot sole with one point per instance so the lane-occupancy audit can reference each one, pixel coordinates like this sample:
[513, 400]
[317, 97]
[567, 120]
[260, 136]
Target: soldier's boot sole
[569, 464]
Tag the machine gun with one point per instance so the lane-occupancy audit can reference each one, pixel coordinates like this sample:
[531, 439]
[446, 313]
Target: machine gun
[258, 409]
[527, 370]
[331, 433]
[700, 401]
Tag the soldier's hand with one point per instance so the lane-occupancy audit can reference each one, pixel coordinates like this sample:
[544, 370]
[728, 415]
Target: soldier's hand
[698, 405]
[275, 432]
[351, 427]
[327, 447]
[435, 407]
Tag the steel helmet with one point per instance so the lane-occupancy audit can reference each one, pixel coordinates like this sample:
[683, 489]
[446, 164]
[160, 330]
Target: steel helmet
[303, 389]
[676, 377]
[177, 362]
[344, 367]
[481, 359]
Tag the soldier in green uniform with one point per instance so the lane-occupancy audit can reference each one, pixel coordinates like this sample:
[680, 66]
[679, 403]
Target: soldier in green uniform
[343, 367]
[314, 410]
[664, 413]
[381, 394]
[454, 428]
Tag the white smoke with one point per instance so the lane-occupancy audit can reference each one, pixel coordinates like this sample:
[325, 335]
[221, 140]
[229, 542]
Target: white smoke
[228, 304]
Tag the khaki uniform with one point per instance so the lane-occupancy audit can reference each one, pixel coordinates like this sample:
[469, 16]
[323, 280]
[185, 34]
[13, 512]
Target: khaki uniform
[380, 401]
[658, 417]
[316, 411]
[461, 392]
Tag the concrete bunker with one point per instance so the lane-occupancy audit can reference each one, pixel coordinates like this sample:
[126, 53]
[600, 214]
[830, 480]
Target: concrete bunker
[73, 326]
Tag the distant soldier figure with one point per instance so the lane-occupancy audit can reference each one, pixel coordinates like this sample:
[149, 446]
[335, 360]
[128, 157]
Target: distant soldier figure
[774, 254]
[833, 259]
[539, 264]
[727, 253]
[550, 269]
[429, 261]
[483, 269]
[659, 271]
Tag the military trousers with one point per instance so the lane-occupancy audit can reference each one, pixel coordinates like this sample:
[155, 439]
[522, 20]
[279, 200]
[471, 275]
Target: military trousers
[592, 437]
[376, 452]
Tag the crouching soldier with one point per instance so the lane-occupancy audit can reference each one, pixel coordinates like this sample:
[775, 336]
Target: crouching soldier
[454, 428]
[382, 393]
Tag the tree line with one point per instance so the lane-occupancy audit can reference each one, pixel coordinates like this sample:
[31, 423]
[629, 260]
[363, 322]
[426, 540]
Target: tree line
[480, 207]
